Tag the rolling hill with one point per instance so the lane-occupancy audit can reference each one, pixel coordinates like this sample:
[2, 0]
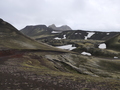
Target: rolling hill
[11, 38]
[114, 42]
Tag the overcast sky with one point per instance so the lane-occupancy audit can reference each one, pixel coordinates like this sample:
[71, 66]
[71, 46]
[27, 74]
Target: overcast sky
[78, 14]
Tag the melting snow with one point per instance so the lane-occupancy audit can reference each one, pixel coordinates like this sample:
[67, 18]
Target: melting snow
[115, 57]
[64, 36]
[86, 53]
[57, 38]
[108, 33]
[89, 35]
[54, 32]
[76, 33]
[102, 46]
[86, 37]
[68, 47]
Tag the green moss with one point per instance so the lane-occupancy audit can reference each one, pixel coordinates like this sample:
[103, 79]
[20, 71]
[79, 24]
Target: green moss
[85, 89]
[110, 65]
[114, 43]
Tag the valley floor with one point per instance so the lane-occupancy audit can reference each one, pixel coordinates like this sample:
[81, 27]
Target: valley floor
[19, 72]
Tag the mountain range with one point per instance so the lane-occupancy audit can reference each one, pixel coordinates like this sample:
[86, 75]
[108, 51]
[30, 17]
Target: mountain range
[42, 32]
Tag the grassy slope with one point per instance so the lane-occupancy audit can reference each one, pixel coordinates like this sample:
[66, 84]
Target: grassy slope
[31, 70]
[114, 42]
[11, 38]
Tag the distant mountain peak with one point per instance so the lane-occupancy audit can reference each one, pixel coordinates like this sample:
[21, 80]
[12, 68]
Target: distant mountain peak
[63, 27]
[53, 25]
[35, 26]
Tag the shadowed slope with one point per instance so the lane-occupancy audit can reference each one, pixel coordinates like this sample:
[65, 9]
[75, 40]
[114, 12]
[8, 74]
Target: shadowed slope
[114, 42]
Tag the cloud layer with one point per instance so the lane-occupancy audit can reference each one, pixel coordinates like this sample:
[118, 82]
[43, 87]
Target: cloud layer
[78, 14]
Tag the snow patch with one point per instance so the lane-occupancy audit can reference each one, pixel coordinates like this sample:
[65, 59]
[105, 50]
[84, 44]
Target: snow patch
[68, 47]
[76, 33]
[57, 38]
[108, 33]
[115, 57]
[89, 35]
[102, 46]
[64, 36]
[86, 37]
[54, 32]
[86, 53]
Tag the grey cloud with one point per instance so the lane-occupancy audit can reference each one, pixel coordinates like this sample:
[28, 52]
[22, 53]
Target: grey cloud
[78, 14]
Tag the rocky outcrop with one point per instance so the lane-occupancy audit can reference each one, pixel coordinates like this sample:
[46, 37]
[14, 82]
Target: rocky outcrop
[37, 70]
[63, 27]
[84, 65]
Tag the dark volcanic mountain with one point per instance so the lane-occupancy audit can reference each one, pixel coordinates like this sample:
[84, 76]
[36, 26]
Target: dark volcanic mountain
[43, 32]
[36, 30]
[81, 34]
[39, 31]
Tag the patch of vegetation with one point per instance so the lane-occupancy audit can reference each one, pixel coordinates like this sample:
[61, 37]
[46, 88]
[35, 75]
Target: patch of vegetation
[110, 65]
[34, 69]
[114, 42]
[92, 48]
